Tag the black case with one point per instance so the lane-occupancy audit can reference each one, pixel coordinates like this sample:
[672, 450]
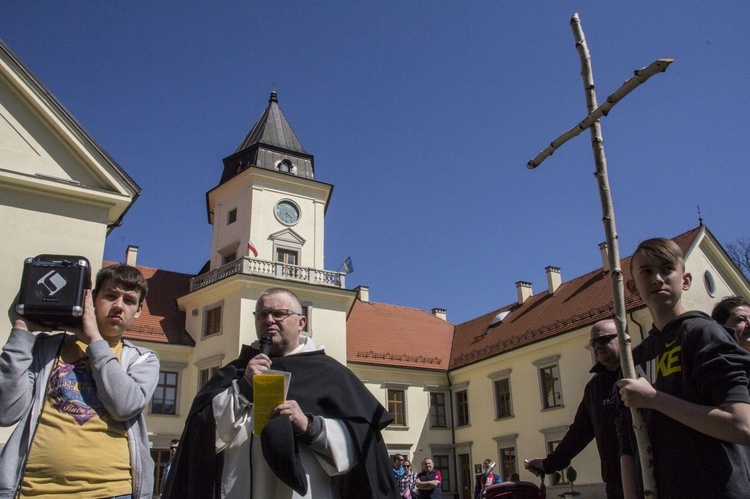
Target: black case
[52, 289]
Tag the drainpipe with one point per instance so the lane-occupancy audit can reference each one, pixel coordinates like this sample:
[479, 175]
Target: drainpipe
[453, 437]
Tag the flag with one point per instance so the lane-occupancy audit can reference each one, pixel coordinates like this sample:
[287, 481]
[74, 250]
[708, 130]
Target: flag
[251, 247]
[348, 267]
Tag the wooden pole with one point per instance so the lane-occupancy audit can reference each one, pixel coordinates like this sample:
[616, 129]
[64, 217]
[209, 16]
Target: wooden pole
[645, 450]
[591, 122]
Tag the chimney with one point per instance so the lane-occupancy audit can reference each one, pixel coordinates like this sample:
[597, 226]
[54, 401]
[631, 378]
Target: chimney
[604, 250]
[131, 254]
[524, 291]
[363, 293]
[440, 313]
[553, 278]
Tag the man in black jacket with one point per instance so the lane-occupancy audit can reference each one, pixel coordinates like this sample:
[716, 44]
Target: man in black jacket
[595, 418]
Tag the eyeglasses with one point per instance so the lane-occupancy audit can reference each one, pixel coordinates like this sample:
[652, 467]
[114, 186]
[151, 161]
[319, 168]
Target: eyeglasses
[407, 465]
[278, 314]
[602, 340]
[173, 448]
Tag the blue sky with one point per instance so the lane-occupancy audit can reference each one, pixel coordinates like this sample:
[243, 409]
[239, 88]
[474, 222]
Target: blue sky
[423, 115]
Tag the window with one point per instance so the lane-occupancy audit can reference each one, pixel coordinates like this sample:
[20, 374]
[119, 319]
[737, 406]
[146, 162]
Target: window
[225, 259]
[442, 463]
[285, 256]
[397, 403]
[506, 452]
[207, 367]
[160, 457]
[397, 406]
[462, 408]
[228, 253]
[213, 322]
[307, 312]
[709, 283]
[232, 216]
[287, 253]
[501, 392]
[207, 374]
[289, 257]
[165, 396]
[508, 465]
[438, 417]
[284, 166]
[558, 477]
[395, 451]
[552, 438]
[549, 382]
[502, 398]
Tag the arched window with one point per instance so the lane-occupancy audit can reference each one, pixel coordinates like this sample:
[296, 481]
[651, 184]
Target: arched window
[284, 166]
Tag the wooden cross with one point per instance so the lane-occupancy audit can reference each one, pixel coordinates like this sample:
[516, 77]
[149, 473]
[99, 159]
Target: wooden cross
[591, 122]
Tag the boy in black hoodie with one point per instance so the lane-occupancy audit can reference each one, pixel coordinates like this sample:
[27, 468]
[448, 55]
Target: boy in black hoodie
[692, 385]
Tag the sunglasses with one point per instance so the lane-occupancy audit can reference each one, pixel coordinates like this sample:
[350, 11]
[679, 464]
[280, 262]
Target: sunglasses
[602, 340]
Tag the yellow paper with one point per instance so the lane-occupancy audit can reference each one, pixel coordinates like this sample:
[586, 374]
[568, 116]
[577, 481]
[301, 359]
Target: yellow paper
[268, 392]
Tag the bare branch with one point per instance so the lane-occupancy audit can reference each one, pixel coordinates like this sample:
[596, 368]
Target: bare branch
[641, 75]
[739, 252]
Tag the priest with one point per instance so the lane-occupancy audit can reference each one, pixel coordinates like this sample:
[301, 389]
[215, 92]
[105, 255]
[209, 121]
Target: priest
[324, 441]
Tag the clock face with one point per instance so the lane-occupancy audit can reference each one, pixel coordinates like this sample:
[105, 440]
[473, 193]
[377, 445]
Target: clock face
[287, 213]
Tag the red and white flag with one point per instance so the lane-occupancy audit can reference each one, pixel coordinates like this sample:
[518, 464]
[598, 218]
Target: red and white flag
[251, 247]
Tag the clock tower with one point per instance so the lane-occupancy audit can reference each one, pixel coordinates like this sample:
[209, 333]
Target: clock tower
[267, 214]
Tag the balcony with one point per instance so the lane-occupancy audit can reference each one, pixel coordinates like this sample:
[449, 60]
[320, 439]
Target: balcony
[249, 266]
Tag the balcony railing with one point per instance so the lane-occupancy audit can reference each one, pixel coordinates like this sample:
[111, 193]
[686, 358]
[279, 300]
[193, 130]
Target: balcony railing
[249, 266]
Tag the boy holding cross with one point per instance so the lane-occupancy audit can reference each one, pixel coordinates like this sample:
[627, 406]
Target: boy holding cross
[692, 385]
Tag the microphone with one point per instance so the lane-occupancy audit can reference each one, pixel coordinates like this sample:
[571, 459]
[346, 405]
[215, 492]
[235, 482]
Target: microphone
[265, 343]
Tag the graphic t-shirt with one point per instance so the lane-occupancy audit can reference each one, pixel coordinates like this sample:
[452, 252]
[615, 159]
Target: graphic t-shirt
[77, 448]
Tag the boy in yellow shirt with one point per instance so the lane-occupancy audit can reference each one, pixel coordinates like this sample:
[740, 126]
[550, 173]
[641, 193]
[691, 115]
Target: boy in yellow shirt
[79, 400]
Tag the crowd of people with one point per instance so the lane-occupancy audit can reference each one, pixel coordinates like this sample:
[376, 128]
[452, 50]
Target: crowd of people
[425, 484]
[78, 399]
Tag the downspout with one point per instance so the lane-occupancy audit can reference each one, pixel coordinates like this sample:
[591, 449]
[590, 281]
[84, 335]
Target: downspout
[453, 437]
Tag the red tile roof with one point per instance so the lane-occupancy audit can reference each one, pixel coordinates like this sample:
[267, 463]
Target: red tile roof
[382, 334]
[161, 321]
[576, 303]
[395, 336]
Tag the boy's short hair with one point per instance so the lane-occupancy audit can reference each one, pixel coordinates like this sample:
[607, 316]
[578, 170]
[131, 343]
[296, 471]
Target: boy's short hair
[724, 308]
[659, 247]
[127, 277]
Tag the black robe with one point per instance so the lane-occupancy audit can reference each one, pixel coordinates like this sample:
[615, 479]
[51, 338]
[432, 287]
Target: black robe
[322, 387]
